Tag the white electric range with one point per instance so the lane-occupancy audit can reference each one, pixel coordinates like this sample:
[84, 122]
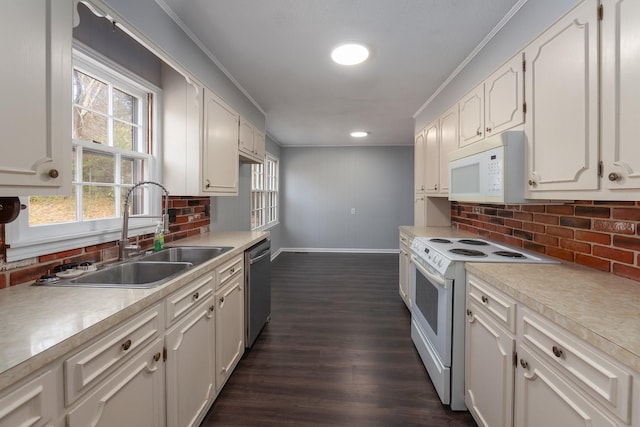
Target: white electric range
[438, 304]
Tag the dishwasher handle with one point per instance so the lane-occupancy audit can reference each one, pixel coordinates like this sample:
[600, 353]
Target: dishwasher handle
[260, 256]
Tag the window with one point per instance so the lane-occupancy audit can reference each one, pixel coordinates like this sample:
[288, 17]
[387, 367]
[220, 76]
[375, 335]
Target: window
[112, 149]
[264, 193]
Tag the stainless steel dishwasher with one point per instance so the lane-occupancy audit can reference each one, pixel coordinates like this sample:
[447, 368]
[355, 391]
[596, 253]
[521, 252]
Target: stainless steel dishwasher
[257, 261]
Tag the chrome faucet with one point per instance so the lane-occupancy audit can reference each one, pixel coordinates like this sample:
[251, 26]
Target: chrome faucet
[124, 240]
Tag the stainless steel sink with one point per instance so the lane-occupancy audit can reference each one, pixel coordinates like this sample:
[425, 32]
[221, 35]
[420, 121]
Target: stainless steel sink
[132, 274]
[192, 254]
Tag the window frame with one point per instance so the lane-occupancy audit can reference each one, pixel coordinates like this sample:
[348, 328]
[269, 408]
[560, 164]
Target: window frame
[24, 241]
[264, 191]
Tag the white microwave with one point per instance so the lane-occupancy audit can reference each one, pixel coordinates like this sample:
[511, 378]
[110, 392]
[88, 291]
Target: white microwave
[489, 171]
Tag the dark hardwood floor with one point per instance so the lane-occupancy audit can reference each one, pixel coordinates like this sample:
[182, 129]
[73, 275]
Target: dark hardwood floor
[337, 352]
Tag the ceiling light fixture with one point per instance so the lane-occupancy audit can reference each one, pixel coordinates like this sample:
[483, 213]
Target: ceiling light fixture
[350, 54]
[359, 134]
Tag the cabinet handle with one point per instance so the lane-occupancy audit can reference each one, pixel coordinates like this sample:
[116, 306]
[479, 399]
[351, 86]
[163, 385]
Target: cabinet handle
[488, 130]
[435, 187]
[222, 300]
[532, 183]
[156, 357]
[53, 173]
[485, 299]
[557, 351]
[614, 176]
[524, 364]
[469, 312]
[196, 295]
[478, 132]
[126, 345]
[208, 185]
[232, 270]
[212, 308]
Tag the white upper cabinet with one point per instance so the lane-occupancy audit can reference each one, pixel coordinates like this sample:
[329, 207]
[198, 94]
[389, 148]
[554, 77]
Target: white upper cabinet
[497, 104]
[251, 143]
[36, 97]
[620, 97]
[561, 85]
[448, 143]
[419, 162]
[200, 131]
[432, 156]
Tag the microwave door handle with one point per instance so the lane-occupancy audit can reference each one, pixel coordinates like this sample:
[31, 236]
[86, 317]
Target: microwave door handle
[438, 280]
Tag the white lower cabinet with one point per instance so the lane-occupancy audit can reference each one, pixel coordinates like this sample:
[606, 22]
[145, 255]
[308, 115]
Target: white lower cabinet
[32, 402]
[191, 366]
[132, 396]
[405, 270]
[553, 378]
[229, 327]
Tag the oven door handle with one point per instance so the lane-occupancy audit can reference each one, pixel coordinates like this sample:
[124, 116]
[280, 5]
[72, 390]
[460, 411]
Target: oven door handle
[438, 280]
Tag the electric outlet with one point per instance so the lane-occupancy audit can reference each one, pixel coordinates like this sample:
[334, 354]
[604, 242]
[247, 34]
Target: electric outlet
[353, 211]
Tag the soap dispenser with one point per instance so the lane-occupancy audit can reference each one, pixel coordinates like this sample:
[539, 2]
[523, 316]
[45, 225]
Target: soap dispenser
[158, 238]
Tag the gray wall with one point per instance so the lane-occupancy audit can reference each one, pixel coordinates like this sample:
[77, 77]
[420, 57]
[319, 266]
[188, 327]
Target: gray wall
[322, 184]
[531, 20]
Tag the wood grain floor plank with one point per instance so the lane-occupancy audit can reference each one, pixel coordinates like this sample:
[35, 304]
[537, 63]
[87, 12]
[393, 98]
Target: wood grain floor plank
[337, 352]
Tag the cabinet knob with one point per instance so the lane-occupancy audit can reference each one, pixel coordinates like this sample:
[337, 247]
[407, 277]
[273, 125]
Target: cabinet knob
[524, 364]
[488, 130]
[478, 132]
[614, 176]
[53, 173]
[156, 357]
[435, 187]
[222, 300]
[485, 299]
[557, 352]
[126, 345]
[212, 308]
[532, 183]
[208, 184]
[469, 312]
[196, 295]
[232, 270]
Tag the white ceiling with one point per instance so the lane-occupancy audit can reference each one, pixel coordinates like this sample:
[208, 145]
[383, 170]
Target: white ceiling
[278, 51]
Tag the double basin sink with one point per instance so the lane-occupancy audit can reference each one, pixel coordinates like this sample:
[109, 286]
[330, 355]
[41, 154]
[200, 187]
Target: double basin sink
[147, 271]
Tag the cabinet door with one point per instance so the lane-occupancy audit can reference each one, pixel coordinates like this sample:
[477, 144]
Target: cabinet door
[419, 163]
[405, 275]
[543, 398]
[504, 97]
[259, 145]
[190, 367]
[229, 328]
[220, 162]
[448, 143]
[561, 84]
[432, 156]
[32, 404]
[36, 97]
[620, 94]
[245, 141]
[489, 368]
[472, 116]
[132, 396]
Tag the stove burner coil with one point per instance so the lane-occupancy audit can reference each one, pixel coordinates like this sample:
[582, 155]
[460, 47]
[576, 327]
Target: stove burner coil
[473, 242]
[467, 252]
[439, 240]
[509, 254]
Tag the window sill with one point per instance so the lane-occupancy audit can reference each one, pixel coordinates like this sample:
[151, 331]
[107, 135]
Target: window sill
[266, 227]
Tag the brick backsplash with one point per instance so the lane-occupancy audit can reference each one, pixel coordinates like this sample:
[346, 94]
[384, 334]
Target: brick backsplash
[598, 234]
[192, 218]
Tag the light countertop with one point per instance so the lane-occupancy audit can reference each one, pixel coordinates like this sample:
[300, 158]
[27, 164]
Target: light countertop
[39, 324]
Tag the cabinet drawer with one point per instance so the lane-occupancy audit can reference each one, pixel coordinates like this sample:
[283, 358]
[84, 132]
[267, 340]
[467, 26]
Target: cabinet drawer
[181, 301]
[31, 404]
[229, 269]
[90, 365]
[405, 240]
[499, 306]
[597, 374]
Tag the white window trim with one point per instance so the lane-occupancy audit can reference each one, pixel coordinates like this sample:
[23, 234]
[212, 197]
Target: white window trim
[25, 242]
[271, 224]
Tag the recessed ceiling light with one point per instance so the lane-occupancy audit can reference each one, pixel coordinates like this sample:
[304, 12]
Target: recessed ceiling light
[350, 54]
[359, 134]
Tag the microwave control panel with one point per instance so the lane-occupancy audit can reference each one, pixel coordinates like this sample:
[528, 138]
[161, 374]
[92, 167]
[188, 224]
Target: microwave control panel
[494, 171]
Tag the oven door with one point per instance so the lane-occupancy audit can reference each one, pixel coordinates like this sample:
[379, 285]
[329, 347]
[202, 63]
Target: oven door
[432, 310]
